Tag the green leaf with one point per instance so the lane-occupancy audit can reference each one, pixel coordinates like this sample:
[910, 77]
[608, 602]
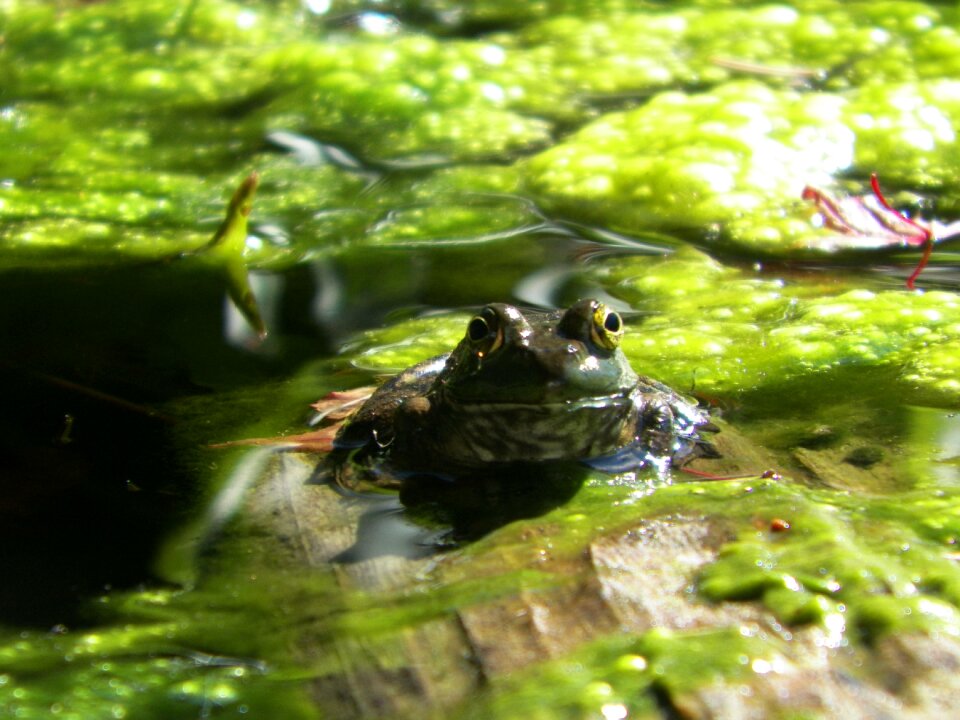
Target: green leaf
[227, 247]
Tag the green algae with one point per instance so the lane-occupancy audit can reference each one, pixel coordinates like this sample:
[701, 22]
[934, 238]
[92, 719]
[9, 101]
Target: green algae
[619, 676]
[404, 344]
[656, 167]
[162, 51]
[446, 101]
[722, 165]
[906, 131]
[840, 559]
[141, 669]
[719, 327]
[226, 75]
[638, 677]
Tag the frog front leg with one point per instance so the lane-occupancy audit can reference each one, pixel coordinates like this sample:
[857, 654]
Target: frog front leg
[656, 428]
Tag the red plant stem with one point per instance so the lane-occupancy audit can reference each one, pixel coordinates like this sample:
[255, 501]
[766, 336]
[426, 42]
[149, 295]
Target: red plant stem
[927, 250]
[924, 232]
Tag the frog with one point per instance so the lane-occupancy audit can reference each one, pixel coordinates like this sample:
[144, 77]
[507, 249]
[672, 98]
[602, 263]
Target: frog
[526, 386]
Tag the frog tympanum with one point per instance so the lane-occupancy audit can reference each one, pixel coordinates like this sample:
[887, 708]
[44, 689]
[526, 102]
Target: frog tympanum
[525, 386]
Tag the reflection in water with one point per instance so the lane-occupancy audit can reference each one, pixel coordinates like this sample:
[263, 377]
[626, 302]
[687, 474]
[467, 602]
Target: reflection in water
[935, 441]
[268, 290]
[385, 530]
[433, 513]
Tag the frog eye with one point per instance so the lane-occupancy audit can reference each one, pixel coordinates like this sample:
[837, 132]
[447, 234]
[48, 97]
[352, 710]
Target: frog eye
[485, 331]
[607, 328]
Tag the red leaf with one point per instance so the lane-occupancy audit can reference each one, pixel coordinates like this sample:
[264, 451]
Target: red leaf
[336, 407]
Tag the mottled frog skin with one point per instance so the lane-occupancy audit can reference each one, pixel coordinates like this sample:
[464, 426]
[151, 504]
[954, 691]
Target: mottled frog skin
[525, 386]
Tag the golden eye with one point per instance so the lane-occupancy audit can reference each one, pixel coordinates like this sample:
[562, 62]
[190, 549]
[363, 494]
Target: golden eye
[607, 328]
[485, 331]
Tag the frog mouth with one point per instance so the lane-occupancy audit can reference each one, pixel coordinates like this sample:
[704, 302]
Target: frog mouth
[590, 402]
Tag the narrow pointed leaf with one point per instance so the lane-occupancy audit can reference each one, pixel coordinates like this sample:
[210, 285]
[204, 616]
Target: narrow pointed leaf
[227, 246]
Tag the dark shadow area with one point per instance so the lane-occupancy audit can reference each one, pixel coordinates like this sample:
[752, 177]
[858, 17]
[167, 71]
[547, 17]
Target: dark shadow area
[91, 480]
[86, 491]
[433, 514]
[475, 506]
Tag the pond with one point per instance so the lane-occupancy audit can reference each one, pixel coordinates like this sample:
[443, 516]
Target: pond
[703, 168]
